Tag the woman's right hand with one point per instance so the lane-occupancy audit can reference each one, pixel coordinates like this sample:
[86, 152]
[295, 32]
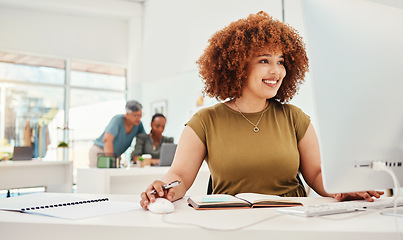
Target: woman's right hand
[147, 197]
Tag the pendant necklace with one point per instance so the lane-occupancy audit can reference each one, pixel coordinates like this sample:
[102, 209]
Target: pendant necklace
[155, 145]
[255, 129]
[152, 141]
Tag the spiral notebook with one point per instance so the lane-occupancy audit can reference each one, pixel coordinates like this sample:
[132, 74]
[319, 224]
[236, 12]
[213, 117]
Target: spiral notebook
[65, 205]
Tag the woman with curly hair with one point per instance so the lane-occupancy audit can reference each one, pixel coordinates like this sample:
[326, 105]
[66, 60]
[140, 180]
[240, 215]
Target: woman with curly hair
[253, 141]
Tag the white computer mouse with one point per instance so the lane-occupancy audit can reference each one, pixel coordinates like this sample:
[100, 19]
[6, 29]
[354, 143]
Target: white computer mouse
[161, 205]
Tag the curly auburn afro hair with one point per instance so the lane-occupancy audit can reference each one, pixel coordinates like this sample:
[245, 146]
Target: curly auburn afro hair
[223, 64]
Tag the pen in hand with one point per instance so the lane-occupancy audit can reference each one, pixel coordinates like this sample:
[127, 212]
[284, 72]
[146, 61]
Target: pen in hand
[168, 186]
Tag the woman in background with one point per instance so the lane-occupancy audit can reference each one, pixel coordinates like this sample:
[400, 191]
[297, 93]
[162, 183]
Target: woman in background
[119, 133]
[151, 143]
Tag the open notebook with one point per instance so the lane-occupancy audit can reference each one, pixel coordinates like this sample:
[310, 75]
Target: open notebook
[241, 200]
[65, 206]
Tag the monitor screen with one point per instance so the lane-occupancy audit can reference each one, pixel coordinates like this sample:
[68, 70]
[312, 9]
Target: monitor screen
[356, 64]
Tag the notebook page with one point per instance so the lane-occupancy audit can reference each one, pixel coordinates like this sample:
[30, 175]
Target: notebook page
[87, 210]
[77, 211]
[253, 197]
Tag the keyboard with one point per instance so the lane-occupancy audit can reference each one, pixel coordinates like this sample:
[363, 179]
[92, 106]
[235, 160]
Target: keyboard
[339, 207]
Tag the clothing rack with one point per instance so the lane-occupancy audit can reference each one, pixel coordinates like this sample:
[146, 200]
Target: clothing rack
[36, 134]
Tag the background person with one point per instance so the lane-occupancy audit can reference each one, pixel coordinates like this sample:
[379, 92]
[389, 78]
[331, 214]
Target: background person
[119, 133]
[253, 141]
[151, 143]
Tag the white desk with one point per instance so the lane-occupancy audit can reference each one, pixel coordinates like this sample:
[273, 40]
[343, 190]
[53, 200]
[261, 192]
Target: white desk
[132, 180]
[54, 176]
[263, 223]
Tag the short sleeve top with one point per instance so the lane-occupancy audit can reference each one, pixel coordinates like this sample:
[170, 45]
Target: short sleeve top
[241, 160]
[121, 140]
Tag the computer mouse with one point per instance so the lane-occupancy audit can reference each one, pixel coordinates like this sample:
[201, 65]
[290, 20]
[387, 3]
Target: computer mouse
[161, 205]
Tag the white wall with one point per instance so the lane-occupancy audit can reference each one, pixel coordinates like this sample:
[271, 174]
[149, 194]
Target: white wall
[68, 29]
[304, 98]
[175, 35]
[64, 35]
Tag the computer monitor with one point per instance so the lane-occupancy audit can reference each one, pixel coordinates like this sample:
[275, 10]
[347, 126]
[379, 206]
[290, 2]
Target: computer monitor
[356, 50]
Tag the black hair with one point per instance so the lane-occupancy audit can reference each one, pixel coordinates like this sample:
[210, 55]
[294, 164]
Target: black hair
[157, 115]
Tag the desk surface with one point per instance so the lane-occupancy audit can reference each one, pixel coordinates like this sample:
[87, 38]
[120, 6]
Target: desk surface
[55, 176]
[31, 163]
[125, 171]
[187, 223]
[130, 180]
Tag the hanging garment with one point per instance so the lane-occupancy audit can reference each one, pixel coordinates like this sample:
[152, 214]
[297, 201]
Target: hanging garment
[47, 139]
[27, 135]
[36, 145]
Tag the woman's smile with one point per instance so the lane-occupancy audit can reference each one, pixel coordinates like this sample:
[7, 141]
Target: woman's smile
[270, 82]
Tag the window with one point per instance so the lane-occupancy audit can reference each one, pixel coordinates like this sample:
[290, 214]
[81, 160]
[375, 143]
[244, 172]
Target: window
[33, 95]
[97, 76]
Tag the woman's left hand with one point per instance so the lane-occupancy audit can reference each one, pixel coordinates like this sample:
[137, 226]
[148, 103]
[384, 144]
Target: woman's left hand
[368, 195]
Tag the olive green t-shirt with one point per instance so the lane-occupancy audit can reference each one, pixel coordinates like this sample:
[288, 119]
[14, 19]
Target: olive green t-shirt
[241, 160]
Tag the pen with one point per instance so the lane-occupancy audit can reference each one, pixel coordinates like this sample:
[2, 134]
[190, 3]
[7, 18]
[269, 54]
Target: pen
[168, 186]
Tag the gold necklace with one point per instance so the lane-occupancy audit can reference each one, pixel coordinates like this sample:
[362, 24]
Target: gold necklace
[153, 141]
[255, 129]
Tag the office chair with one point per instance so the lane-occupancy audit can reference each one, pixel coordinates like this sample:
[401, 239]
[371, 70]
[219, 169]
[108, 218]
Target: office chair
[210, 186]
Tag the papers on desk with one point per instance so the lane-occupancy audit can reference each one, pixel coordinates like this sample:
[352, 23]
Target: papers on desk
[65, 206]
